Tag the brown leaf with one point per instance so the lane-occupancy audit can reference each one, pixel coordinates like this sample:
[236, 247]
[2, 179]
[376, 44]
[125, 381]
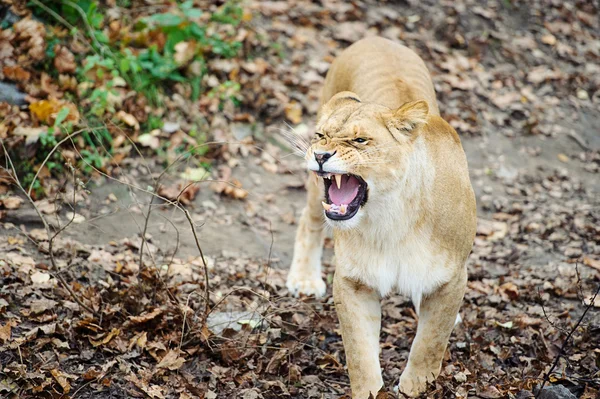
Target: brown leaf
[128, 119]
[64, 61]
[509, 291]
[12, 202]
[32, 35]
[293, 112]
[41, 305]
[5, 331]
[153, 391]
[91, 374]
[106, 339]
[62, 380]
[491, 392]
[39, 234]
[184, 52]
[146, 317]
[593, 263]
[229, 187]
[174, 192]
[171, 361]
[526, 321]
[16, 73]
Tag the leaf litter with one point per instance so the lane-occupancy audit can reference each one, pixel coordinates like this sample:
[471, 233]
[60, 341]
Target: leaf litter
[504, 72]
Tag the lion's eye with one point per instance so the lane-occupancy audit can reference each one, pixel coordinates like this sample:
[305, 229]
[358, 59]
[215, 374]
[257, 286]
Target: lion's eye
[360, 140]
[319, 136]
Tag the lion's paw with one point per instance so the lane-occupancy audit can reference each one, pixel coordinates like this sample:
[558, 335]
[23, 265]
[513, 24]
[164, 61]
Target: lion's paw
[413, 385]
[298, 284]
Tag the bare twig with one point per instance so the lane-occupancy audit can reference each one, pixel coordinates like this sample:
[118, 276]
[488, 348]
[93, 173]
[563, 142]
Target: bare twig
[69, 136]
[206, 288]
[51, 236]
[565, 343]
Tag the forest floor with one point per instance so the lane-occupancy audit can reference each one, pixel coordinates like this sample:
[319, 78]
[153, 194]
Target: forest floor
[519, 81]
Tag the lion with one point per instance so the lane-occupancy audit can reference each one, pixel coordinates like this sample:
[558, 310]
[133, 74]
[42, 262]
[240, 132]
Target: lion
[391, 178]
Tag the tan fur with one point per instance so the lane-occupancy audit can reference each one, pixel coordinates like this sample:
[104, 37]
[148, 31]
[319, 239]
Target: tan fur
[414, 233]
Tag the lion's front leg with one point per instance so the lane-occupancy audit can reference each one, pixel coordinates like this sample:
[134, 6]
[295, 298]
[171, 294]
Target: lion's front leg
[437, 317]
[305, 273]
[359, 310]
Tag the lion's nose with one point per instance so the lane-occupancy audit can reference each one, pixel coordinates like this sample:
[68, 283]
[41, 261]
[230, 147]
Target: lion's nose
[322, 157]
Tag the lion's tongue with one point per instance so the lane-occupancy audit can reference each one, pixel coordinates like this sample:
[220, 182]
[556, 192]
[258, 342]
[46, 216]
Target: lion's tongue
[347, 191]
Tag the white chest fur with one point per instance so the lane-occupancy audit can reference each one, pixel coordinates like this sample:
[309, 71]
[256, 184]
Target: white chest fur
[412, 267]
[388, 250]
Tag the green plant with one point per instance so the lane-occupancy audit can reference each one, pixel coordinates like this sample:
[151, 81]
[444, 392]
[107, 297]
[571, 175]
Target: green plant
[174, 46]
[227, 91]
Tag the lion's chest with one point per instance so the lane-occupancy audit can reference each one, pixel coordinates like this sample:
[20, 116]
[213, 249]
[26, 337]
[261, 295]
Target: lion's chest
[412, 267]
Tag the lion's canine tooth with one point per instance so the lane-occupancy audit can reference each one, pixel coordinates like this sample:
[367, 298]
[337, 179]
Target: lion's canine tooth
[338, 181]
[343, 209]
[326, 206]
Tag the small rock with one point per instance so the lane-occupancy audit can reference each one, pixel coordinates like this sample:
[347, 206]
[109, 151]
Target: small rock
[241, 130]
[170, 127]
[573, 252]
[556, 392]
[533, 226]
[10, 94]
[582, 94]
[460, 377]
[525, 395]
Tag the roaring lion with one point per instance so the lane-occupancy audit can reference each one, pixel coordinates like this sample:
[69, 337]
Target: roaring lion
[391, 178]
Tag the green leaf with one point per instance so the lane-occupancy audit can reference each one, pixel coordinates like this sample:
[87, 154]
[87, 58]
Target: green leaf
[61, 116]
[165, 19]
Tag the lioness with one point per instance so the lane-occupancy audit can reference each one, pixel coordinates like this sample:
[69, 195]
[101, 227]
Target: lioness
[394, 185]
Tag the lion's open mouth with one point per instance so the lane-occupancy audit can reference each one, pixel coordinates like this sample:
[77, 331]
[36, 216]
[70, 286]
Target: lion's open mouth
[344, 195]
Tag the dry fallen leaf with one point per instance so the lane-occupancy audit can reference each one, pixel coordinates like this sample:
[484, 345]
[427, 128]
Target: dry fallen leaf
[184, 52]
[593, 263]
[106, 338]
[228, 186]
[33, 34]
[12, 202]
[47, 110]
[39, 234]
[549, 39]
[16, 73]
[149, 140]
[293, 112]
[175, 193]
[153, 391]
[146, 317]
[40, 277]
[64, 61]
[5, 331]
[171, 361]
[62, 380]
[128, 119]
[509, 291]
[75, 217]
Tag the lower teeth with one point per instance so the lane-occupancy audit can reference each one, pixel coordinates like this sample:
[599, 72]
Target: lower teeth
[341, 209]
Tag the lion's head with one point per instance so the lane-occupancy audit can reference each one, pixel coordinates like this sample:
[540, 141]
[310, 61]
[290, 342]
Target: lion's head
[359, 150]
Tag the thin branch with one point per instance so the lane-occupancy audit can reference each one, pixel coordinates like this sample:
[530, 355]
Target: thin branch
[206, 290]
[565, 343]
[51, 236]
[69, 136]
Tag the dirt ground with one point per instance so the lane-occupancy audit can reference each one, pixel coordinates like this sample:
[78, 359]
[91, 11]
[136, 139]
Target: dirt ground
[520, 83]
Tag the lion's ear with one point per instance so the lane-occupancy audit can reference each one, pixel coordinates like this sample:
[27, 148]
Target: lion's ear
[337, 101]
[407, 119]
